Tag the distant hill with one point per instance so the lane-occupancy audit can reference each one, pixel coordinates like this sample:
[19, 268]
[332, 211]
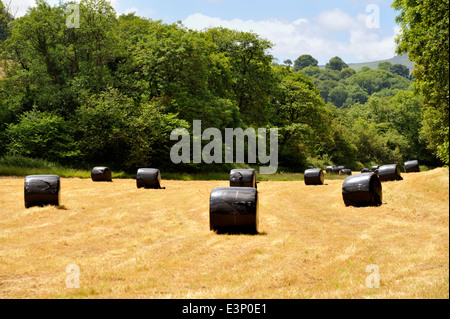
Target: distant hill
[399, 59]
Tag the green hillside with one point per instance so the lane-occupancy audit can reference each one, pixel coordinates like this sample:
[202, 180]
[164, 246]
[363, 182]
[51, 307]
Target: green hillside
[399, 59]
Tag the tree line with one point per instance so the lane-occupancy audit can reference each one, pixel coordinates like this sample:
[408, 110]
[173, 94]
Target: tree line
[112, 91]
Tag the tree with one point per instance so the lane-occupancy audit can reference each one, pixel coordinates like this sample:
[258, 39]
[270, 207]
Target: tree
[288, 62]
[252, 78]
[302, 119]
[385, 65]
[311, 71]
[425, 37]
[338, 95]
[304, 61]
[400, 69]
[54, 64]
[336, 63]
[346, 73]
[42, 135]
[5, 18]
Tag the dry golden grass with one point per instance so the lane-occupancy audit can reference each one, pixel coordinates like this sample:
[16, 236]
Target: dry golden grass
[136, 243]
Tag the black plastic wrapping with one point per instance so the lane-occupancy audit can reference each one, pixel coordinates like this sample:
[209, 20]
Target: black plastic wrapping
[148, 178]
[314, 176]
[329, 169]
[412, 166]
[336, 170]
[374, 168]
[101, 174]
[366, 170]
[346, 171]
[40, 190]
[243, 178]
[390, 172]
[234, 210]
[362, 190]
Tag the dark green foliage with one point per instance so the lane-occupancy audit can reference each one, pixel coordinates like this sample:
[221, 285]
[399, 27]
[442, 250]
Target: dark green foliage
[41, 135]
[5, 19]
[336, 64]
[424, 36]
[399, 69]
[304, 61]
[111, 92]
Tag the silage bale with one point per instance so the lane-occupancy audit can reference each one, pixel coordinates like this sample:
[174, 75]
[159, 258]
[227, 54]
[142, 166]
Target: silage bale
[314, 176]
[336, 170]
[362, 190]
[101, 174]
[375, 169]
[234, 210]
[329, 169]
[243, 178]
[366, 170]
[40, 190]
[345, 171]
[390, 172]
[148, 178]
[412, 166]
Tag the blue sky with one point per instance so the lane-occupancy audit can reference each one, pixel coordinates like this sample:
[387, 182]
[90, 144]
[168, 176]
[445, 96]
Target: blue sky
[355, 30]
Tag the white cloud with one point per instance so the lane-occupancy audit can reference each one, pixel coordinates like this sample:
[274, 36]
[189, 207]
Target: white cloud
[330, 33]
[19, 7]
[131, 10]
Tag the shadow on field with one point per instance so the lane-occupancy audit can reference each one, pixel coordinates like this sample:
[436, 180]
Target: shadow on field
[240, 231]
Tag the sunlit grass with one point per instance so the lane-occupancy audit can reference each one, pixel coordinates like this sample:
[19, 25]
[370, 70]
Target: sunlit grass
[137, 243]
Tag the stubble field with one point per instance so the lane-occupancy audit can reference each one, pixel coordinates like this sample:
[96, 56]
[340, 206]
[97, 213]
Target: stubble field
[137, 243]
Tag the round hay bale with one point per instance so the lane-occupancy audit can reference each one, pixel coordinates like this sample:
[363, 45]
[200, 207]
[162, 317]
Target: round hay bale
[243, 178]
[390, 172]
[329, 169]
[40, 190]
[412, 166]
[374, 168]
[314, 176]
[366, 170]
[234, 210]
[148, 178]
[362, 190]
[345, 171]
[336, 170]
[101, 174]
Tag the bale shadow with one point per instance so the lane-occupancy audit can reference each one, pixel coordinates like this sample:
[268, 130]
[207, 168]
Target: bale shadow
[238, 231]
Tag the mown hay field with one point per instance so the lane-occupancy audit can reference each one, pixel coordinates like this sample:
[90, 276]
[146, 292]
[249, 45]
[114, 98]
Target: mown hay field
[138, 243]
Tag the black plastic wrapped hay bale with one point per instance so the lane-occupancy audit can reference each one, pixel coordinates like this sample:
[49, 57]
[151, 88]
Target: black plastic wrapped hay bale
[366, 170]
[390, 172]
[314, 176]
[329, 169]
[101, 174]
[234, 210]
[148, 178]
[362, 190]
[412, 166]
[243, 178]
[336, 170]
[345, 171]
[41, 190]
